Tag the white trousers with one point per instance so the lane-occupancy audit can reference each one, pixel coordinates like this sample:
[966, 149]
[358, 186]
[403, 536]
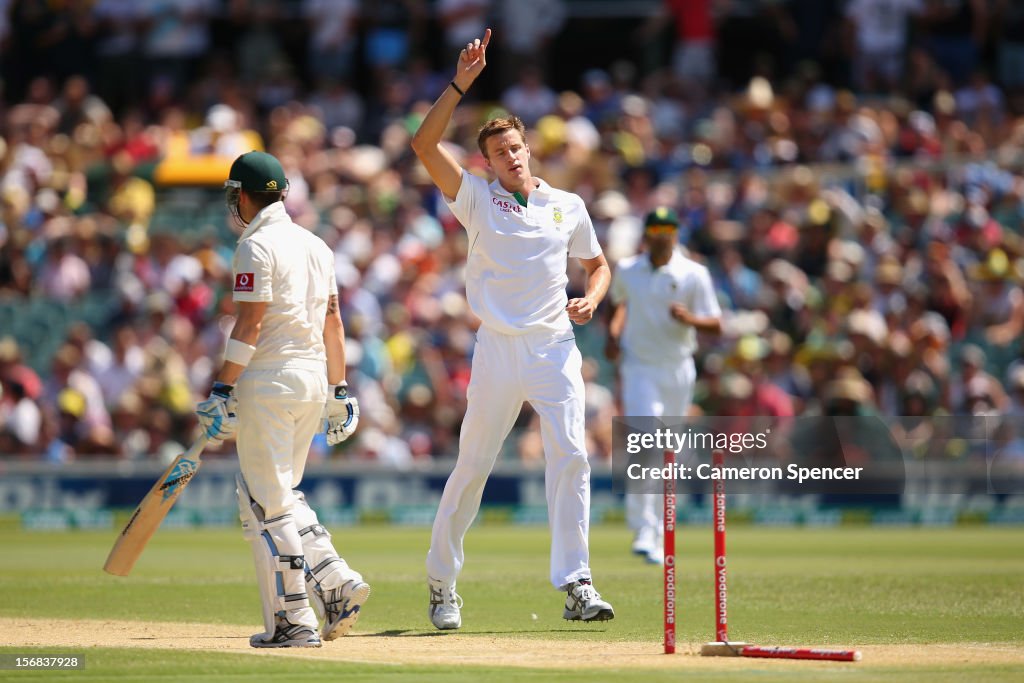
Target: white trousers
[653, 391]
[279, 411]
[544, 369]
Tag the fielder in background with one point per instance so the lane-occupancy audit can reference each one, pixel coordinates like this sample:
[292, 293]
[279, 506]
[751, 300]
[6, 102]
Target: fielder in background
[287, 346]
[661, 299]
[521, 233]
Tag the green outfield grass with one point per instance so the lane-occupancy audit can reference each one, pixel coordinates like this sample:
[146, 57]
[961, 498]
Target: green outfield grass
[848, 586]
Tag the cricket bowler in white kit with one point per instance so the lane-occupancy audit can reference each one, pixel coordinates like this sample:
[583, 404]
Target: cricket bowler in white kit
[521, 233]
[286, 348]
[662, 299]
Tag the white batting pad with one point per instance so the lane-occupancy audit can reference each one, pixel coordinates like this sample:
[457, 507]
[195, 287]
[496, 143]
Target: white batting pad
[324, 568]
[280, 564]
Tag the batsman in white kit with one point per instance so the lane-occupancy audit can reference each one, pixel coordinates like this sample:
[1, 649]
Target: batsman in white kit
[282, 380]
[662, 299]
[521, 232]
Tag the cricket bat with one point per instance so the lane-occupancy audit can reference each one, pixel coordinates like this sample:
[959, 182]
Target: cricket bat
[151, 511]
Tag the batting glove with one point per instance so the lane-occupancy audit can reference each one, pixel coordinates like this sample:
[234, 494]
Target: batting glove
[218, 414]
[341, 414]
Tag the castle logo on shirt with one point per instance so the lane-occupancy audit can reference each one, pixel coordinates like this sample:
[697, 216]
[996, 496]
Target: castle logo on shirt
[243, 282]
[506, 206]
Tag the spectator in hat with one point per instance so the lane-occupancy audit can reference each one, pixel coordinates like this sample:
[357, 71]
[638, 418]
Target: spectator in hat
[1000, 299]
[735, 396]
[918, 397]
[768, 398]
[973, 376]
[930, 339]
[980, 396]
[888, 298]
[848, 434]
[922, 436]
[848, 394]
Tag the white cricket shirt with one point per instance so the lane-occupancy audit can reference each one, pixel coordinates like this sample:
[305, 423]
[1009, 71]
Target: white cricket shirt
[516, 266]
[651, 334]
[291, 269]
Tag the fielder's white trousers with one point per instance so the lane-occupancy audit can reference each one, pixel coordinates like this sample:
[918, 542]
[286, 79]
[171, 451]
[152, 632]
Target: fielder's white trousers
[543, 368]
[648, 390]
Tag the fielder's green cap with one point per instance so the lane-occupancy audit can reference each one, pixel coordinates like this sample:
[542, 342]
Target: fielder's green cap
[662, 215]
[258, 172]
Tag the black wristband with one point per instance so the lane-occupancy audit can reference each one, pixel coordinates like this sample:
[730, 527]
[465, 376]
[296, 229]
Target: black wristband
[459, 90]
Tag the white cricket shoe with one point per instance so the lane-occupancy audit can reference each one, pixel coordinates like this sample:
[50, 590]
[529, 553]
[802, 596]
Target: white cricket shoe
[341, 607]
[445, 606]
[656, 555]
[287, 634]
[644, 541]
[584, 603]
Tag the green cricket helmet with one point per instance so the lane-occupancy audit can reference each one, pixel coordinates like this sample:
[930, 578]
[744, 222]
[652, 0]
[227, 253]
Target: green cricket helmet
[254, 172]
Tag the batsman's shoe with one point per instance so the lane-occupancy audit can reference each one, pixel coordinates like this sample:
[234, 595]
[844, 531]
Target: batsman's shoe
[342, 607]
[445, 606]
[287, 634]
[584, 603]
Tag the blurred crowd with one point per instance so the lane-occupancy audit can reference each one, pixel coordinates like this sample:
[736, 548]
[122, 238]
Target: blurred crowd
[860, 202]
